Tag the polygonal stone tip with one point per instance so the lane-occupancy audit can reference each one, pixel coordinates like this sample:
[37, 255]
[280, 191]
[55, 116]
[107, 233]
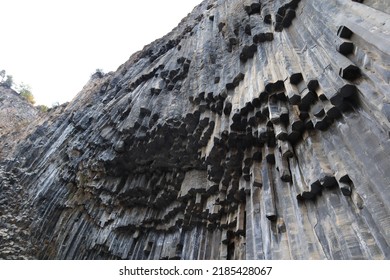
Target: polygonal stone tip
[346, 189]
[347, 90]
[333, 113]
[267, 19]
[346, 48]
[294, 99]
[271, 216]
[344, 32]
[350, 73]
[329, 181]
[296, 78]
[254, 8]
[312, 85]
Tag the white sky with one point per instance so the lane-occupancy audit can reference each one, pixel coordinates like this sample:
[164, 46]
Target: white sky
[55, 45]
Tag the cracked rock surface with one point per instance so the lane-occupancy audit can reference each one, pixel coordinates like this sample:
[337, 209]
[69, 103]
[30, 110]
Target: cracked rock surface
[253, 130]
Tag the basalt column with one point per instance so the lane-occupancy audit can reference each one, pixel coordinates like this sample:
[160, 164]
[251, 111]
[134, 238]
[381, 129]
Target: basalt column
[253, 130]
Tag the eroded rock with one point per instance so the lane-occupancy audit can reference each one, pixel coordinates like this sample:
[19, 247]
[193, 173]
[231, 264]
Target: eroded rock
[218, 141]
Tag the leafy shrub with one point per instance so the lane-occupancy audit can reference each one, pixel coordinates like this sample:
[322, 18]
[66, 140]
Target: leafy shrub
[42, 108]
[25, 92]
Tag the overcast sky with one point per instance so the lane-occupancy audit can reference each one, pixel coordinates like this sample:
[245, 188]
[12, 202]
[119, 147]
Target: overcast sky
[55, 45]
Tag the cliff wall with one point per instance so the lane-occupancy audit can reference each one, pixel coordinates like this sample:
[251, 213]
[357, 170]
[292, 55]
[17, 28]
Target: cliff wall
[254, 130]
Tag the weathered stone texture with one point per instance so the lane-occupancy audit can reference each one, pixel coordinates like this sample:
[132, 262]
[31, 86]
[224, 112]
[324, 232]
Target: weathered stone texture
[16, 118]
[254, 130]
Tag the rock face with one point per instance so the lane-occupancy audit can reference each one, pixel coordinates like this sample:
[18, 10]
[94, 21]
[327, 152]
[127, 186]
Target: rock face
[16, 117]
[254, 130]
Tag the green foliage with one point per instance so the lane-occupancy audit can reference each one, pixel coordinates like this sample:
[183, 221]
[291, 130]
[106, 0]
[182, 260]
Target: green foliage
[25, 92]
[28, 96]
[23, 89]
[42, 108]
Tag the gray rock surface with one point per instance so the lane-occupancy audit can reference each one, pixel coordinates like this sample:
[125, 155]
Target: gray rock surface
[17, 118]
[254, 130]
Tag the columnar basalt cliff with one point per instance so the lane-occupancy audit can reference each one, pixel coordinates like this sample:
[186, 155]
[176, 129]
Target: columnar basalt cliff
[254, 130]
